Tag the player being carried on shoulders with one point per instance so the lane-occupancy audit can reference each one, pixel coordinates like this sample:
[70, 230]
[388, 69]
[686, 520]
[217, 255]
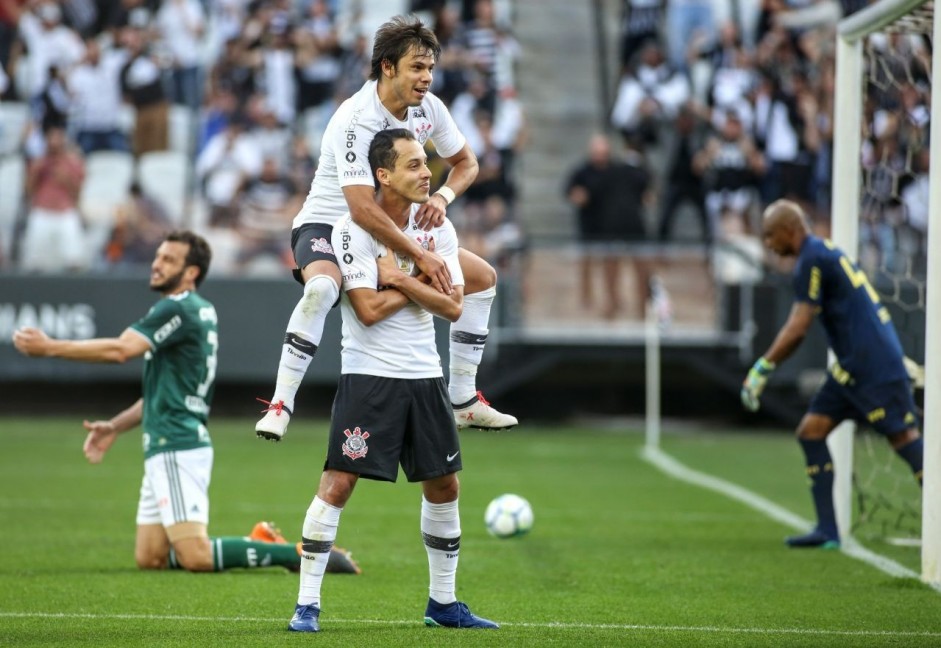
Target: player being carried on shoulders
[396, 95]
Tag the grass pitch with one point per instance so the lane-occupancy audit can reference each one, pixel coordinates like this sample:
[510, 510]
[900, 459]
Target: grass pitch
[620, 554]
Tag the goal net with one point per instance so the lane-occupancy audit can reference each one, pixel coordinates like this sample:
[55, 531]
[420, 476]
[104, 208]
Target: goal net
[881, 209]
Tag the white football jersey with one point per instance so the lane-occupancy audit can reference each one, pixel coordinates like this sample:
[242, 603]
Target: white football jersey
[344, 150]
[402, 345]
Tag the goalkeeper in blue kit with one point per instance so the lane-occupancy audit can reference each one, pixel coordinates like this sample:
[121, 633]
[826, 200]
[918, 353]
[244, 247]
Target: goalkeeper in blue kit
[868, 382]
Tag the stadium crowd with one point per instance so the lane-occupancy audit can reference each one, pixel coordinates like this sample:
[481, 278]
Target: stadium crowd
[209, 114]
[123, 118]
[733, 104]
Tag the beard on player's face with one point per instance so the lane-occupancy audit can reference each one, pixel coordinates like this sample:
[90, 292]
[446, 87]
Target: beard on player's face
[169, 284]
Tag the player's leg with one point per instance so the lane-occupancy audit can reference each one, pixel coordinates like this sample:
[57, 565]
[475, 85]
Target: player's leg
[829, 406]
[812, 435]
[430, 454]
[320, 276]
[896, 410]
[467, 340]
[363, 441]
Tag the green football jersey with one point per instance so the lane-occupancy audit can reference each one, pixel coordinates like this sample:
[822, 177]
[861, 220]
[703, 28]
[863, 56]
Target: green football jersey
[179, 372]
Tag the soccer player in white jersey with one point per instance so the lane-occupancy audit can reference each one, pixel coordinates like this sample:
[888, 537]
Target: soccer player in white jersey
[396, 96]
[392, 406]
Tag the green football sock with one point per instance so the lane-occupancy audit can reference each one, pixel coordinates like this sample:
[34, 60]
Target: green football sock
[231, 552]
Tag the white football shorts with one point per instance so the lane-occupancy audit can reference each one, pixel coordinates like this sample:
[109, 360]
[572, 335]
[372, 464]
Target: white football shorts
[176, 487]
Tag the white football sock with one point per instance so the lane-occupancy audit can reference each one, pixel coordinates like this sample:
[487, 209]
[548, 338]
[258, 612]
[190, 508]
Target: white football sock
[441, 533]
[467, 341]
[317, 536]
[305, 329]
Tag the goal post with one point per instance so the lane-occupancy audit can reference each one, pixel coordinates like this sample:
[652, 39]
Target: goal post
[905, 16]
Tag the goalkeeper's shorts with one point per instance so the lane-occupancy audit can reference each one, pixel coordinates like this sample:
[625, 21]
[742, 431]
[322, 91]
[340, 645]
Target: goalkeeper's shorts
[888, 408]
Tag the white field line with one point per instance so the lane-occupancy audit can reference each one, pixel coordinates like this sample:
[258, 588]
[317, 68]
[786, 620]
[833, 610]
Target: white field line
[553, 625]
[850, 547]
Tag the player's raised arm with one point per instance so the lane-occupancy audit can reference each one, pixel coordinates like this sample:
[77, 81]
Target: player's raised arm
[33, 342]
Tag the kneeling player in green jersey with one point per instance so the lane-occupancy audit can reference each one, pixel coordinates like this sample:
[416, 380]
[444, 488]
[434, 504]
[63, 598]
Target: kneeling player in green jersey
[179, 341]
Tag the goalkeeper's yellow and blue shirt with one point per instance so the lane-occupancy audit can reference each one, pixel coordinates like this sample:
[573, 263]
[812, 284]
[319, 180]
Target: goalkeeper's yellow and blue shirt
[179, 372]
[858, 326]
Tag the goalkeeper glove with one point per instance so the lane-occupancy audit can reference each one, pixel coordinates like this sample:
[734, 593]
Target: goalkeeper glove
[755, 383]
[916, 373]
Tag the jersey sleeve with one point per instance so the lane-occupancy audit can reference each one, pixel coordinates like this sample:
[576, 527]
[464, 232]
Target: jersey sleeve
[349, 139]
[356, 255]
[162, 325]
[447, 138]
[446, 247]
[808, 286]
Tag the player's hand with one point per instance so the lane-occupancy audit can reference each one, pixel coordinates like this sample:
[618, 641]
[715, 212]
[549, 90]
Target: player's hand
[436, 269]
[101, 434]
[432, 213]
[755, 383]
[30, 341]
[388, 269]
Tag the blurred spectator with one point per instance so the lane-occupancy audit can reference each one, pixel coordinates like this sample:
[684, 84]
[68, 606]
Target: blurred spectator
[54, 235]
[451, 70]
[221, 107]
[354, 68]
[10, 11]
[491, 48]
[228, 158]
[181, 24]
[140, 224]
[687, 20]
[509, 134]
[142, 86]
[683, 185]
[915, 201]
[301, 164]
[641, 23]
[267, 205]
[95, 86]
[274, 70]
[648, 96]
[51, 45]
[610, 195]
[317, 58]
[233, 72]
[730, 165]
[271, 138]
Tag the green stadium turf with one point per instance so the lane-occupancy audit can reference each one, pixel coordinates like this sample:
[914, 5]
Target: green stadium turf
[620, 553]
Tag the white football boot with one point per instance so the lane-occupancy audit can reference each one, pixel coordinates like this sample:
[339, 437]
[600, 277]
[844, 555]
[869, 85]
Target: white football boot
[274, 424]
[477, 413]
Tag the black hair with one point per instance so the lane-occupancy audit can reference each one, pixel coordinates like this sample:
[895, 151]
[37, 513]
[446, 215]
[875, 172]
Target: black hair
[382, 153]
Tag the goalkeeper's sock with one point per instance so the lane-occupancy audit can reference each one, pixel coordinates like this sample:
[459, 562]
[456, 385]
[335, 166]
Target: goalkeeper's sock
[820, 471]
[914, 455]
[230, 552]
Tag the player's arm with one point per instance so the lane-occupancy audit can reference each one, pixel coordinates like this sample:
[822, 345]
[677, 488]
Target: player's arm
[34, 343]
[372, 305]
[448, 307]
[364, 211]
[785, 343]
[101, 434]
[464, 169]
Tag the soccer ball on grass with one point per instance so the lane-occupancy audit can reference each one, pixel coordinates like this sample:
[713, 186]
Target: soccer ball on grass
[508, 515]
